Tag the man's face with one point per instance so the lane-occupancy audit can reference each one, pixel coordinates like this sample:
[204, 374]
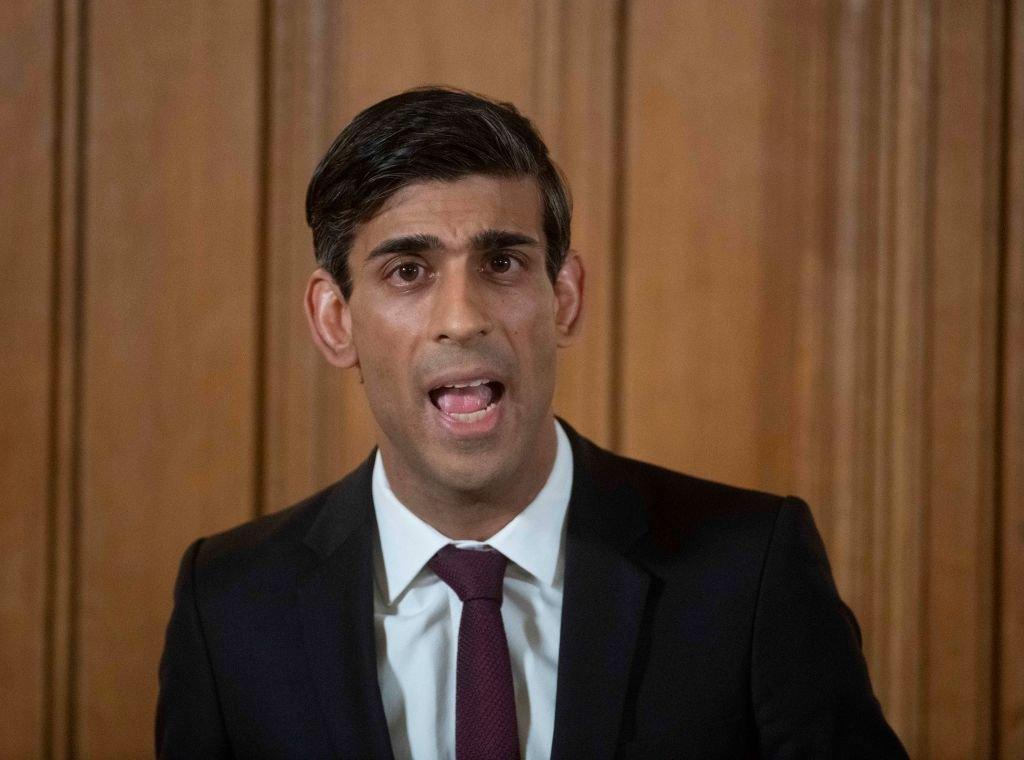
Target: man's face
[455, 326]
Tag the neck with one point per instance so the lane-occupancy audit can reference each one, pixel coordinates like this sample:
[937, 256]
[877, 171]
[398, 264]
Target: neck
[477, 523]
[474, 514]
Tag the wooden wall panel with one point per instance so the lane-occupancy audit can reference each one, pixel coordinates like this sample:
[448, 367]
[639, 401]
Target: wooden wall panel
[27, 121]
[844, 323]
[904, 213]
[1010, 535]
[803, 230]
[958, 606]
[327, 63]
[577, 109]
[692, 269]
[812, 265]
[169, 333]
[798, 142]
[827, 303]
[58, 739]
[303, 423]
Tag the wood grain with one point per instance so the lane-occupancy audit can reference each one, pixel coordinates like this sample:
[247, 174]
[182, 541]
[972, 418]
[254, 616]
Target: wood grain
[300, 439]
[693, 270]
[575, 109]
[962, 334]
[904, 215]
[66, 296]
[168, 333]
[27, 120]
[804, 234]
[1010, 650]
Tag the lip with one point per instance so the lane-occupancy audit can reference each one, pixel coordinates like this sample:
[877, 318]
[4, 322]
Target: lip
[463, 376]
[460, 428]
[477, 428]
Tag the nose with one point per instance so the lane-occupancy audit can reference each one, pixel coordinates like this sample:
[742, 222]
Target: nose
[459, 313]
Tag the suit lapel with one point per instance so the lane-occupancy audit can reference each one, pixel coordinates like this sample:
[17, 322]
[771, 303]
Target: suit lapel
[602, 608]
[336, 605]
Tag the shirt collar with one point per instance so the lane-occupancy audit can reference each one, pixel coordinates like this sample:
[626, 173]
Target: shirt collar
[533, 539]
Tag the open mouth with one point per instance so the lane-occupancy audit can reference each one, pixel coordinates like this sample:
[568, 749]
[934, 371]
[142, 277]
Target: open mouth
[470, 401]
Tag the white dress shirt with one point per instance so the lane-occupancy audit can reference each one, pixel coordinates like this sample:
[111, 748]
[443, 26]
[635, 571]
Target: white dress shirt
[416, 617]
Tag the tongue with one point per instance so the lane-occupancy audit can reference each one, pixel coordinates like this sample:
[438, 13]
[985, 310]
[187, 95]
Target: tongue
[463, 400]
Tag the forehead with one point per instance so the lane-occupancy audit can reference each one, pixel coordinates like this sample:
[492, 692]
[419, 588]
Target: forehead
[455, 211]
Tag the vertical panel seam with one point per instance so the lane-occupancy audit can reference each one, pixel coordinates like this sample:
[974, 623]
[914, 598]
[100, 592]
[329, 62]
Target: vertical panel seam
[53, 404]
[892, 216]
[326, 76]
[998, 443]
[618, 222]
[927, 350]
[883, 346]
[77, 370]
[260, 368]
[536, 70]
[564, 41]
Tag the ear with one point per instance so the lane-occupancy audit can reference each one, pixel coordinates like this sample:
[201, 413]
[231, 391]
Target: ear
[330, 320]
[569, 300]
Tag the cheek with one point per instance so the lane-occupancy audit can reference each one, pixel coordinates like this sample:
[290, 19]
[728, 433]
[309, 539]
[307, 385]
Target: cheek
[531, 325]
[383, 341]
[528, 310]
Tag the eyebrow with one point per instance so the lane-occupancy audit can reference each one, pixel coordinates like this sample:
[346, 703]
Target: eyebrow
[485, 240]
[405, 244]
[490, 240]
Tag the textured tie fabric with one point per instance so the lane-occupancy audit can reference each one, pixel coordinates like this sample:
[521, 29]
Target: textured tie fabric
[485, 706]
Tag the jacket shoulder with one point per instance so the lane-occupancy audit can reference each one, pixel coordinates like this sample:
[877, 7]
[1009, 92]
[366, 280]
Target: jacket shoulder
[664, 488]
[681, 511]
[286, 526]
[270, 551]
[661, 488]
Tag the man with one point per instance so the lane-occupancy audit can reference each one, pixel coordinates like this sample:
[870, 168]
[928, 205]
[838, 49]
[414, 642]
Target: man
[489, 584]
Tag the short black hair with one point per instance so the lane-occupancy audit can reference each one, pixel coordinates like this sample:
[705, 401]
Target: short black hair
[428, 133]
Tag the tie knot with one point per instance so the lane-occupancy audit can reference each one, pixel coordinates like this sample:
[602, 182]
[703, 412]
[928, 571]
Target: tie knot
[471, 573]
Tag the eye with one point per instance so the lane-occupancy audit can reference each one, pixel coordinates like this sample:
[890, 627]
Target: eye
[502, 262]
[406, 273]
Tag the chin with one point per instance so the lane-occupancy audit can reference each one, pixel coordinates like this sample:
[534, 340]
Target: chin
[470, 473]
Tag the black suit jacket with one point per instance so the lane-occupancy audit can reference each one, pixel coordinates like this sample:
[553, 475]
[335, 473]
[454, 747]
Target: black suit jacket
[698, 620]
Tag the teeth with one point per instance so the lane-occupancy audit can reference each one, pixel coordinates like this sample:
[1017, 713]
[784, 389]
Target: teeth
[471, 384]
[472, 416]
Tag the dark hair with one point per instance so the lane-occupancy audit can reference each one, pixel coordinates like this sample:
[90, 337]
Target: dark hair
[429, 133]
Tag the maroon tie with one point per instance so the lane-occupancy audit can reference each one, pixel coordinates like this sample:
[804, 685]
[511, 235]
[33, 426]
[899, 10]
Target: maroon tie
[485, 705]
